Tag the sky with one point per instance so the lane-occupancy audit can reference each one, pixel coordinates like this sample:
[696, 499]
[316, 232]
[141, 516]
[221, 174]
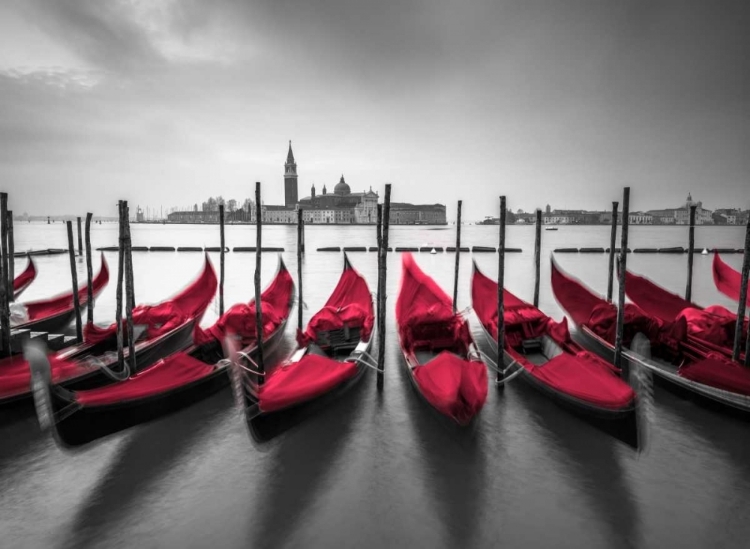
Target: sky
[560, 102]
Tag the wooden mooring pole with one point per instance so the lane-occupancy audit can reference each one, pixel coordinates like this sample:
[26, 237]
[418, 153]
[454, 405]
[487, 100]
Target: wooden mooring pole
[80, 236]
[742, 304]
[258, 305]
[120, 278]
[537, 256]
[129, 290]
[612, 241]
[458, 256]
[11, 258]
[300, 244]
[622, 364]
[383, 269]
[74, 277]
[378, 308]
[5, 288]
[221, 259]
[501, 296]
[89, 273]
[691, 245]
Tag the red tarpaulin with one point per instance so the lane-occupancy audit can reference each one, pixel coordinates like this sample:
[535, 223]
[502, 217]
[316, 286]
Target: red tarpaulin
[585, 377]
[22, 281]
[714, 324]
[424, 313]
[169, 373]
[298, 382]
[15, 374]
[653, 299]
[454, 386]
[168, 315]
[720, 373]
[349, 305]
[239, 319]
[573, 296]
[727, 280]
[44, 308]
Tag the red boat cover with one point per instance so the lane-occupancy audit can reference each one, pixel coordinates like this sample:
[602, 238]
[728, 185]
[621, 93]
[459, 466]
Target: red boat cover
[714, 324]
[573, 296]
[15, 374]
[37, 310]
[298, 382]
[454, 386]
[168, 315]
[21, 282]
[720, 373]
[424, 312]
[276, 301]
[728, 280]
[350, 304]
[522, 320]
[169, 373]
[654, 299]
[585, 377]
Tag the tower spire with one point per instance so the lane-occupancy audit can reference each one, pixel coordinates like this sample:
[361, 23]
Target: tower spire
[290, 179]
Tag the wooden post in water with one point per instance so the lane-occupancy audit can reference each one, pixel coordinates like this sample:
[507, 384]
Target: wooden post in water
[383, 269]
[221, 259]
[458, 256]
[89, 273]
[378, 308]
[120, 278]
[622, 364]
[80, 237]
[300, 244]
[5, 288]
[74, 277]
[11, 258]
[258, 305]
[743, 302]
[691, 245]
[501, 295]
[537, 256]
[612, 241]
[129, 289]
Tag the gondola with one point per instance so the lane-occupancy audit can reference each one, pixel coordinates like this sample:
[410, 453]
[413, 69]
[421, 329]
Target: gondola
[160, 329]
[711, 328]
[55, 313]
[442, 360]
[661, 348]
[171, 383]
[330, 357]
[22, 281]
[548, 359]
[727, 280]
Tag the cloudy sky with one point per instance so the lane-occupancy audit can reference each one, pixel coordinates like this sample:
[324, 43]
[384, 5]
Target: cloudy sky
[166, 102]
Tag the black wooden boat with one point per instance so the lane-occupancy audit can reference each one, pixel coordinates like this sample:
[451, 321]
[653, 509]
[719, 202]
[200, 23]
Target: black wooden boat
[171, 383]
[331, 356]
[161, 330]
[442, 360]
[651, 346]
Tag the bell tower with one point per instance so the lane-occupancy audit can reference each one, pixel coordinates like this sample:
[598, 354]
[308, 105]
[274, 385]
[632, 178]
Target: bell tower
[290, 179]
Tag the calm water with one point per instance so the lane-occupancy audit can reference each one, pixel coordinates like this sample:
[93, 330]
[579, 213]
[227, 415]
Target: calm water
[380, 469]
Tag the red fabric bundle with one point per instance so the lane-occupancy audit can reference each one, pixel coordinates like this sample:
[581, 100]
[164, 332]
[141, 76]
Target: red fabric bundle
[350, 304]
[454, 386]
[727, 280]
[168, 315]
[24, 279]
[720, 373]
[603, 322]
[15, 374]
[239, 320]
[298, 382]
[587, 378]
[169, 373]
[64, 302]
[714, 324]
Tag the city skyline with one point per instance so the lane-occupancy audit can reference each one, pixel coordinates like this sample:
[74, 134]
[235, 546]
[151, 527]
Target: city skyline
[569, 101]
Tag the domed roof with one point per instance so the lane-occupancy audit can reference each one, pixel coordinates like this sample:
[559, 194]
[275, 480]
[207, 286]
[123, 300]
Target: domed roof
[341, 187]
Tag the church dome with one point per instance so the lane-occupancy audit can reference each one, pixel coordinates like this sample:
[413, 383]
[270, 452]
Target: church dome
[341, 187]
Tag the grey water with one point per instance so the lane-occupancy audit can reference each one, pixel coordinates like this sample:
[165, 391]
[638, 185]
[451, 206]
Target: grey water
[380, 468]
